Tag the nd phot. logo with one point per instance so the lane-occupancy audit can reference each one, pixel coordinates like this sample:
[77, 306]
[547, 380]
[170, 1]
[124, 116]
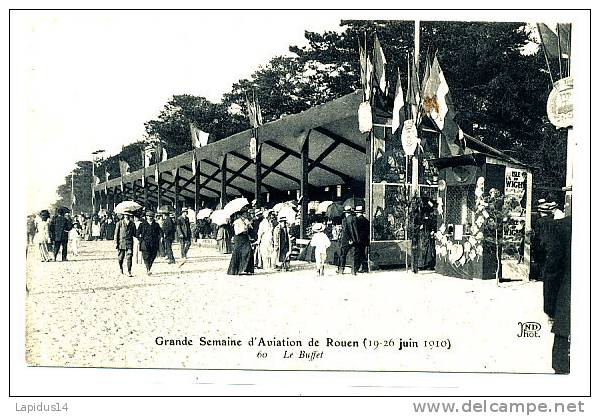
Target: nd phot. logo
[529, 329]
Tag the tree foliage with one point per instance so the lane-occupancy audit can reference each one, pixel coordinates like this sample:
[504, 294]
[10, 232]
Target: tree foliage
[82, 186]
[499, 92]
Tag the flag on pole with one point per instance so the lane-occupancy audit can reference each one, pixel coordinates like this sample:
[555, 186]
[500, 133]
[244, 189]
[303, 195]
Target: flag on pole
[550, 34]
[148, 151]
[398, 114]
[160, 153]
[253, 110]
[379, 64]
[199, 137]
[413, 94]
[438, 105]
[365, 75]
[194, 163]
[123, 167]
[73, 199]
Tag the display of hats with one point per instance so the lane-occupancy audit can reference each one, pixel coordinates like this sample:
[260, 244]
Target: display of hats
[150, 214]
[360, 209]
[318, 227]
[347, 208]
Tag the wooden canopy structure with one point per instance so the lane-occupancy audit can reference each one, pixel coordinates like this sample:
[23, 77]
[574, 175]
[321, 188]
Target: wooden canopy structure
[308, 151]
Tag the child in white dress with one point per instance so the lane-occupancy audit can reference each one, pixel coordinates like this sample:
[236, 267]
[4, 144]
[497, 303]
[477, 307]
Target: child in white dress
[321, 243]
[75, 238]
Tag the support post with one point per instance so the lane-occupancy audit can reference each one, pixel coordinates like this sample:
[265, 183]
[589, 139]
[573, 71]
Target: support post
[304, 186]
[527, 230]
[258, 173]
[176, 179]
[158, 191]
[569, 178]
[197, 186]
[224, 181]
[145, 181]
[134, 188]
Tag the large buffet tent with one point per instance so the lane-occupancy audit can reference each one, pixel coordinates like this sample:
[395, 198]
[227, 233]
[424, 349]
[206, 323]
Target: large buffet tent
[318, 154]
[325, 140]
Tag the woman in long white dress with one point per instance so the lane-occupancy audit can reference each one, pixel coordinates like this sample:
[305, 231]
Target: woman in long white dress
[265, 242]
[42, 235]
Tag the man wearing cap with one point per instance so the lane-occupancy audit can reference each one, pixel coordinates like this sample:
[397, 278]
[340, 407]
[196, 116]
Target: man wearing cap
[168, 229]
[362, 241]
[149, 235]
[184, 232]
[348, 238]
[125, 231]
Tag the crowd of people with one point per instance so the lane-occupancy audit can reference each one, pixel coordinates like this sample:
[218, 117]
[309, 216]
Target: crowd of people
[255, 238]
[134, 233]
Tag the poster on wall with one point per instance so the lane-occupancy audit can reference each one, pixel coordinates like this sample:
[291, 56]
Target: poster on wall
[515, 186]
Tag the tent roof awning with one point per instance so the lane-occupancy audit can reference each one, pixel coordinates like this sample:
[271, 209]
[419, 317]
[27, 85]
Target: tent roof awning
[336, 155]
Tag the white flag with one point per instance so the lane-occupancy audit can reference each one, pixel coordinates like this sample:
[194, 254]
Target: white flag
[199, 137]
[398, 112]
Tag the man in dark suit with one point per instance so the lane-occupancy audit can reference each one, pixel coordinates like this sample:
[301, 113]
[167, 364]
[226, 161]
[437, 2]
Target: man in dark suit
[557, 290]
[125, 231]
[347, 238]
[184, 232]
[59, 233]
[363, 229]
[169, 236]
[149, 235]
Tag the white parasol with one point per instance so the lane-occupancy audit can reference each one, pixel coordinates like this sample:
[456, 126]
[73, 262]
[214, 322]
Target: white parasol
[219, 217]
[127, 207]
[204, 213]
[314, 205]
[288, 213]
[236, 205]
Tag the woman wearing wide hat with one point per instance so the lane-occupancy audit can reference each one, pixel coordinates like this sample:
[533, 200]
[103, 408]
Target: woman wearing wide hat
[42, 235]
[242, 257]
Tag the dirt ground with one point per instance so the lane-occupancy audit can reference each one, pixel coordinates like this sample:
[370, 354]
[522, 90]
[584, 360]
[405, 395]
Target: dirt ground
[84, 313]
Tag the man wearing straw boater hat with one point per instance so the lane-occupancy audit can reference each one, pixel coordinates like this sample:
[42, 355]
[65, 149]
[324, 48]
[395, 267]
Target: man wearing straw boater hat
[348, 238]
[125, 231]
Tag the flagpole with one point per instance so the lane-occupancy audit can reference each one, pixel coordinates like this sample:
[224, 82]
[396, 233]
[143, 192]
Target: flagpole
[93, 183]
[72, 191]
[415, 158]
[559, 51]
[545, 54]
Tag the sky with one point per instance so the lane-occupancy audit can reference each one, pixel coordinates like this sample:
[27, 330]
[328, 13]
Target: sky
[83, 81]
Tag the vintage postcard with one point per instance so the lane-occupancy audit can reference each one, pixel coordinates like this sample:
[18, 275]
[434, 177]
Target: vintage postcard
[375, 193]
